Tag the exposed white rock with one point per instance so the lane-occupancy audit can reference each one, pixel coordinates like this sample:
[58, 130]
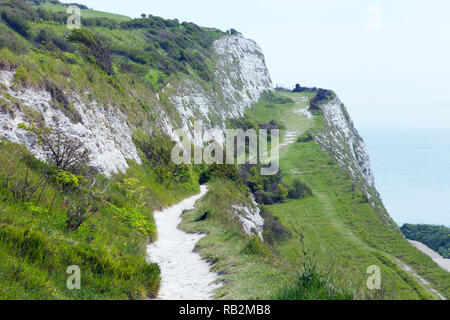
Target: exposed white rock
[241, 75]
[185, 275]
[437, 258]
[306, 113]
[250, 218]
[344, 142]
[104, 130]
[241, 71]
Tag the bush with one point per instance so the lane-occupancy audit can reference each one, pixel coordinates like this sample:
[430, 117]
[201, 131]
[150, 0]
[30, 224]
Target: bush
[135, 219]
[157, 149]
[254, 246]
[266, 198]
[10, 40]
[16, 22]
[299, 190]
[282, 193]
[274, 231]
[225, 171]
[305, 137]
[92, 49]
[47, 37]
[64, 152]
[322, 97]
[80, 212]
[435, 237]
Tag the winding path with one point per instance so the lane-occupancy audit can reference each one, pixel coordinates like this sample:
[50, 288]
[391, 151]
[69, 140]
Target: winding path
[185, 276]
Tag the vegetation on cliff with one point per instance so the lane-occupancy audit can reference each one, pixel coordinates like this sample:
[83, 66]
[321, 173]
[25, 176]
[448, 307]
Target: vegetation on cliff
[435, 237]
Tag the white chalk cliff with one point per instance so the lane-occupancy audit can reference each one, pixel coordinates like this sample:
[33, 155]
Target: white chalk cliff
[241, 76]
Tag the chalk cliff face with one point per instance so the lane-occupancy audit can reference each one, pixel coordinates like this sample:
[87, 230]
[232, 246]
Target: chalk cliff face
[341, 139]
[241, 76]
[104, 130]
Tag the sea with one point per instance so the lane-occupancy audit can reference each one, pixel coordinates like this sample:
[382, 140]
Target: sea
[412, 173]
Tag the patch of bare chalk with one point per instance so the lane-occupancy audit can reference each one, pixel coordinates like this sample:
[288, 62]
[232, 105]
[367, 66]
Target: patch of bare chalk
[185, 276]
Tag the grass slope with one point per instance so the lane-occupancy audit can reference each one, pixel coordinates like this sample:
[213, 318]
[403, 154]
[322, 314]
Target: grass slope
[85, 13]
[36, 250]
[338, 227]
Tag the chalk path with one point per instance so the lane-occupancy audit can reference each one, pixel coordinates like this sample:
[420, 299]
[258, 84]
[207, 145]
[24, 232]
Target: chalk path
[185, 276]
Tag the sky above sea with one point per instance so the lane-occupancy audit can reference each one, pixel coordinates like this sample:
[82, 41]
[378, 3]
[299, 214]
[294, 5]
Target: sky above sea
[409, 147]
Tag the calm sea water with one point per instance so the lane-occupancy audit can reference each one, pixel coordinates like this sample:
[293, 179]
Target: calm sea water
[412, 173]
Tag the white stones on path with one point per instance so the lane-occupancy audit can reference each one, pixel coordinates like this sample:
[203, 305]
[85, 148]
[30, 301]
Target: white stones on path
[185, 276]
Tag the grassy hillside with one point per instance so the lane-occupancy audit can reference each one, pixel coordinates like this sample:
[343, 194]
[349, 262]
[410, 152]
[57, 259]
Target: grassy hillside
[339, 227]
[435, 237]
[37, 245]
[57, 7]
[122, 63]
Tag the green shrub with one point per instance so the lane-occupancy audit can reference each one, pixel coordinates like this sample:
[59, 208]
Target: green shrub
[224, 171]
[274, 231]
[266, 198]
[435, 237]
[92, 49]
[16, 22]
[254, 246]
[305, 137]
[46, 36]
[68, 179]
[135, 219]
[10, 40]
[157, 149]
[299, 190]
[282, 193]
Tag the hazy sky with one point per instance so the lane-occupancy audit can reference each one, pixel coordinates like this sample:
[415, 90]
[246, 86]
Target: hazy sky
[380, 55]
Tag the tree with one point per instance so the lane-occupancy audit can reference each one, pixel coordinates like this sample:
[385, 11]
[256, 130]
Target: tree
[143, 16]
[66, 153]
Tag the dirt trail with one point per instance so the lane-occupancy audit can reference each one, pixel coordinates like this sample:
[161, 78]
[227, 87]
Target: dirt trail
[185, 276]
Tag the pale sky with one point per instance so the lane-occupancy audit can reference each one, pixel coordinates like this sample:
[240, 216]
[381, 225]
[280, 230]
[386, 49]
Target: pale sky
[379, 56]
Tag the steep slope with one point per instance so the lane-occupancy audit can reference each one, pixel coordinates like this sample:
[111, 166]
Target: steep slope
[122, 86]
[342, 142]
[240, 77]
[104, 127]
[340, 224]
